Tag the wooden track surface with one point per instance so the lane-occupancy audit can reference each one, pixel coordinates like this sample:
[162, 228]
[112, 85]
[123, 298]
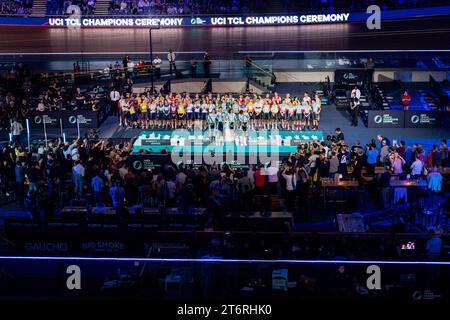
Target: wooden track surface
[426, 33]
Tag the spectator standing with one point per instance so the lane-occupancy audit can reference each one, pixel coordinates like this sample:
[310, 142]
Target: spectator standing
[409, 155]
[260, 180]
[417, 167]
[207, 64]
[397, 163]
[16, 130]
[334, 164]
[97, 185]
[171, 57]
[251, 176]
[291, 185]
[434, 245]
[125, 62]
[157, 62]
[31, 204]
[117, 194]
[130, 68]
[354, 109]
[76, 68]
[434, 180]
[370, 67]
[401, 149]
[406, 99]
[272, 178]
[79, 99]
[248, 66]
[115, 97]
[384, 152]
[193, 67]
[244, 186]
[20, 178]
[356, 93]
[339, 134]
[78, 173]
[302, 190]
[372, 159]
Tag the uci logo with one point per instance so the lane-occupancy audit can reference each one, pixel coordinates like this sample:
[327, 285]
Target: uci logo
[72, 119]
[415, 119]
[137, 165]
[378, 119]
[350, 76]
[417, 295]
[197, 21]
[38, 119]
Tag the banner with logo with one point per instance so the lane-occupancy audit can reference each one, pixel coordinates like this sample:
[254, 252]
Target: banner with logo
[51, 119]
[86, 119]
[139, 162]
[424, 119]
[350, 76]
[215, 21]
[386, 119]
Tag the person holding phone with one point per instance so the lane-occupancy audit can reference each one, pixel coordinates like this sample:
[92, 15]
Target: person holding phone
[397, 163]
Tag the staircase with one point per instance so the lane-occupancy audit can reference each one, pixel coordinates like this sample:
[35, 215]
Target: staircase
[39, 8]
[101, 7]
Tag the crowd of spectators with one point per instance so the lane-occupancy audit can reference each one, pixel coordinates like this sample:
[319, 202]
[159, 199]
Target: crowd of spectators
[60, 7]
[99, 172]
[188, 7]
[100, 168]
[16, 7]
[22, 94]
[96, 172]
[352, 5]
[182, 7]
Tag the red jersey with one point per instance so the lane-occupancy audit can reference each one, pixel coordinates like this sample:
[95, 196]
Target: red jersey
[276, 99]
[260, 179]
[406, 99]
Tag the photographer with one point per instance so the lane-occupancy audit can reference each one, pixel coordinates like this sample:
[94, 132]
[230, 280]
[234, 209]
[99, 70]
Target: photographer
[339, 135]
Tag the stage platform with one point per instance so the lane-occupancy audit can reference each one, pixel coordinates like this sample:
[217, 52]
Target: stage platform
[283, 142]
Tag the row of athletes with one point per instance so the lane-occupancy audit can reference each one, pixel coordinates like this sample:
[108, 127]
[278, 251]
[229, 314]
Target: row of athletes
[182, 110]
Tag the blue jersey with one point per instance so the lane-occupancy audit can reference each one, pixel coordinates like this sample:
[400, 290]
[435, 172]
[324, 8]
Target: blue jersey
[166, 109]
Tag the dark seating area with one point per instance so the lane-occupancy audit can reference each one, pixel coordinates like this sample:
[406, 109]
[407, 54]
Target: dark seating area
[16, 7]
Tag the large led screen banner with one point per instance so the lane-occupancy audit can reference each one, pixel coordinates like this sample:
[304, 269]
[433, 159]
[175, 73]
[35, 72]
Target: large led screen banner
[214, 21]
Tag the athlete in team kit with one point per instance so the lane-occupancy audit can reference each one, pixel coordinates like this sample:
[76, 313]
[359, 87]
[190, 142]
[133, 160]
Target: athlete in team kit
[220, 113]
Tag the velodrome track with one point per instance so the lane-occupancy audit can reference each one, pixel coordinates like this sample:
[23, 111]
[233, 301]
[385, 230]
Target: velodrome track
[434, 33]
